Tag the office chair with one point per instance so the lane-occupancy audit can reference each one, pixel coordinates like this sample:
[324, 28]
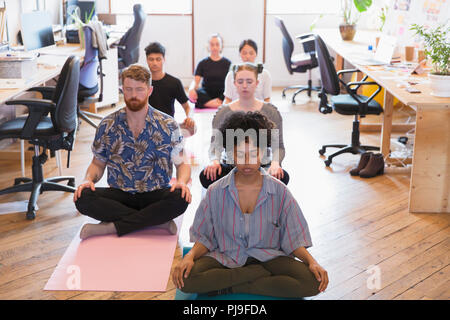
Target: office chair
[50, 124]
[299, 63]
[347, 104]
[90, 71]
[128, 46]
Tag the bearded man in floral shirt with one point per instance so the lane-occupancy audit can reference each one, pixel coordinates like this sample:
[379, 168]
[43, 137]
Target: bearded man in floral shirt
[139, 145]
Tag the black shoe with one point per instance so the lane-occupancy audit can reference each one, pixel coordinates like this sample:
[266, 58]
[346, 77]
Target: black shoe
[374, 167]
[220, 292]
[363, 161]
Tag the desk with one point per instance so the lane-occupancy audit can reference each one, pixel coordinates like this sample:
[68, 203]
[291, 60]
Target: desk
[430, 176]
[49, 66]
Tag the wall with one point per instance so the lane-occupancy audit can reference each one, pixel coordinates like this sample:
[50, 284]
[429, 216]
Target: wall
[235, 20]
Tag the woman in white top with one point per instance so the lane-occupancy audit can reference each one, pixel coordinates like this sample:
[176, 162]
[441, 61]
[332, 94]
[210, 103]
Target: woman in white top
[248, 50]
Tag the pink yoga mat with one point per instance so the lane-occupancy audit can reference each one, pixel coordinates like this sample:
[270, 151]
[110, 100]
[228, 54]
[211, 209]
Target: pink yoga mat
[139, 261]
[205, 110]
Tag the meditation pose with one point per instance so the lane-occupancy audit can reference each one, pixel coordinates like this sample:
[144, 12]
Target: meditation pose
[166, 88]
[249, 229]
[139, 145]
[246, 82]
[211, 72]
[248, 50]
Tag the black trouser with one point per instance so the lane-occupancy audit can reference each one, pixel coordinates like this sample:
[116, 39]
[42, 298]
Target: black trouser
[130, 212]
[226, 168]
[204, 95]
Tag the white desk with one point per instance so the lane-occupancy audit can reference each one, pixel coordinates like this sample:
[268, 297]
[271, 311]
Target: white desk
[430, 177]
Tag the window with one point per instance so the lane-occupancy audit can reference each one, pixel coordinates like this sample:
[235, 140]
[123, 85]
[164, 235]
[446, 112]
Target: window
[302, 6]
[152, 6]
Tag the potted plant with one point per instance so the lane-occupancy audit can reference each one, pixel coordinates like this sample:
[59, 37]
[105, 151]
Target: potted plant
[437, 48]
[348, 27]
[78, 22]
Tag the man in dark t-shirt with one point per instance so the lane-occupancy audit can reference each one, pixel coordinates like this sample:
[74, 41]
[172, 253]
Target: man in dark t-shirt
[166, 88]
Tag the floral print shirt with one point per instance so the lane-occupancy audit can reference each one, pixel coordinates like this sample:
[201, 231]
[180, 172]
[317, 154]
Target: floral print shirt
[143, 164]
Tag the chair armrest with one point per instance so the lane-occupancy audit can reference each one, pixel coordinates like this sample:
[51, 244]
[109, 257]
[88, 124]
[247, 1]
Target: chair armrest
[116, 45]
[37, 108]
[47, 92]
[34, 105]
[347, 71]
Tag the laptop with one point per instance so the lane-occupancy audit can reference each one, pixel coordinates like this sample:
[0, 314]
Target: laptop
[383, 55]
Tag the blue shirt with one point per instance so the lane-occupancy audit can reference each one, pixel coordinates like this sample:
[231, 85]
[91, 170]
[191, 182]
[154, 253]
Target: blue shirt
[277, 225]
[143, 164]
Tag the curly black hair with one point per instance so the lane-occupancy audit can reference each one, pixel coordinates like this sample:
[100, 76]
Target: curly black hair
[247, 121]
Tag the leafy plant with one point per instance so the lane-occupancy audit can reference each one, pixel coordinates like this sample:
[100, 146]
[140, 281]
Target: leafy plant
[313, 24]
[437, 47]
[75, 15]
[348, 13]
[382, 17]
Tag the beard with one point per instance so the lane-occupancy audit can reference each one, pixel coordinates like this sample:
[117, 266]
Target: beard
[135, 104]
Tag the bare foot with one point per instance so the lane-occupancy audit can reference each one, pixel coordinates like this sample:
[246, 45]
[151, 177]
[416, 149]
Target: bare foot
[214, 103]
[90, 229]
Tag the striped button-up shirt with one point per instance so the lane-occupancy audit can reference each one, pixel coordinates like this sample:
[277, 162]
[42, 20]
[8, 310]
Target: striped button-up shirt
[277, 224]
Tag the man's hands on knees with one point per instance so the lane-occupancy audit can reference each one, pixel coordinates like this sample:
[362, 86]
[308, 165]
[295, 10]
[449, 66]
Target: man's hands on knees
[185, 192]
[182, 270]
[85, 184]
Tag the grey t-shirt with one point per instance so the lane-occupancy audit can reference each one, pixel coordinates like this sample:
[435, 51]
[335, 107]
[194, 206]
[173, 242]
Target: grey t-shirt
[216, 151]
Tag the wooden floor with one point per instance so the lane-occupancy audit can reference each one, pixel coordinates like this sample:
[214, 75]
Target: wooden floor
[360, 228]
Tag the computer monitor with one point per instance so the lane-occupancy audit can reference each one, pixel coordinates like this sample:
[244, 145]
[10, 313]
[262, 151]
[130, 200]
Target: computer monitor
[37, 31]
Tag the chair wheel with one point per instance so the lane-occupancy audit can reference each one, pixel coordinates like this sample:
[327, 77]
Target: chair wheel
[322, 151]
[17, 181]
[31, 214]
[327, 162]
[71, 183]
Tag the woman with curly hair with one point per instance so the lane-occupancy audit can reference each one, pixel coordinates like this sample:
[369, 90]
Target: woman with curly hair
[249, 229]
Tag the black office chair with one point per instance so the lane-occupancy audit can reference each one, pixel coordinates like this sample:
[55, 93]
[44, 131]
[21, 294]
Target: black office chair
[300, 62]
[128, 46]
[50, 124]
[346, 104]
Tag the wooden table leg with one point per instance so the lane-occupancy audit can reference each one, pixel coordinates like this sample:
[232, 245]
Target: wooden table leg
[387, 123]
[430, 176]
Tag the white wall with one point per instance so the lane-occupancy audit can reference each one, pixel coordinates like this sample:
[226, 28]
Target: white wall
[295, 24]
[234, 20]
[174, 33]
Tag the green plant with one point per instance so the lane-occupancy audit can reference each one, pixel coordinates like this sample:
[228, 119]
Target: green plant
[313, 24]
[382, 17]
[437, 46]
[75, 15]
[348, 13]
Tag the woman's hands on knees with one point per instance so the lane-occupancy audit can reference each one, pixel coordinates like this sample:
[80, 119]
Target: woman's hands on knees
[85, 184]
[213, 170]
[182, 270]
[275, 170]
[193, 95]
[321, 275]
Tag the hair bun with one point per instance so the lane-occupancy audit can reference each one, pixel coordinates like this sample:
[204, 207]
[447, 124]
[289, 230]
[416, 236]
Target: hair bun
[260, 67]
